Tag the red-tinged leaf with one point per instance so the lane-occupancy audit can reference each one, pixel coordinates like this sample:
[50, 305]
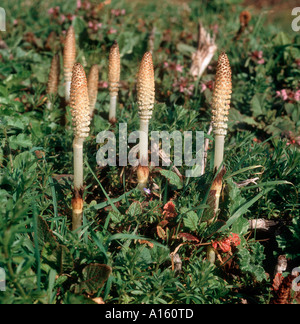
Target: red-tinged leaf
[163, 223]
[94, 276]
[151, 245]
[170, 210]
[283, 295]
[161, 232]
[235, 239]
[135, 209]
[188, 237]
[277, 281]
[225, 245]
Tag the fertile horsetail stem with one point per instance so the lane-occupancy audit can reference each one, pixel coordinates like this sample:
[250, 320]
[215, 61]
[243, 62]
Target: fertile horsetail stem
[220, 110]
[220, 106]
[69, 60]
[79, 102]
[114, 69]
[93, 80]
[145, 98]
[53, 80]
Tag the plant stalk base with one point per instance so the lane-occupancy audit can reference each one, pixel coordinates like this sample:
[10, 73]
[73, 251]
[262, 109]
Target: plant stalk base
[77, 210]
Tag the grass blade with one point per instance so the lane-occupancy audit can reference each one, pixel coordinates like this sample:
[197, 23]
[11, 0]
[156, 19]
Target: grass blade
[242, 210]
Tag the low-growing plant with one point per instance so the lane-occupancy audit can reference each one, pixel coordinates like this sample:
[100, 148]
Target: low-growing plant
[114, 80]
[93, 80]
[147, 244]
[69, 60]
[53, 81]
[146, 96]
[80, 104]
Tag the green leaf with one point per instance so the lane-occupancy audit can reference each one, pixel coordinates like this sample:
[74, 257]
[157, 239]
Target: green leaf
[252, 262]
[258, 104]
[94, 276]
[72, 299]
[116, 218]
[282, 39]
[21, 140]
[270, 184]
[289, 240]
[279, 125]
[135, 209]
[241, 226]
[14, 122]
[4, 195]
[102, 188]
[1, 155]
[79, 25]
[25, 161]
[127, 42]
[113, 201]
[190, 219]
[59, 258]
[173, 178]
[243, 209]
[230, 175]
[44, 234]
[293, 110]
[236, 117]
[185, 49]
[129, 236]
[235, 197]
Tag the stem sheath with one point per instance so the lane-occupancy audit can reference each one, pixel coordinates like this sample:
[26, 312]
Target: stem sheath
[144, 142]
[67, 91]
[219, 151]
[78, 163]
[77, 211]
[113, 109]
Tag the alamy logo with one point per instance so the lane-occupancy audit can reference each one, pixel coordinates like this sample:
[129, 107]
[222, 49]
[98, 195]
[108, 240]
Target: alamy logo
[296, 21]
[2, 20]
[2, 280]
[295, 285]
[183, 149]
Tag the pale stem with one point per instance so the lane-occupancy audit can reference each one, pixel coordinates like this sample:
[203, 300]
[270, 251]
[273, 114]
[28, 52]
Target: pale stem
[77, 216]
[113, 108]
[67, 91]
[141, 186]
[51, 100]
[219, 151]
[78, 163]
[211, 255]
[143, 175]
[217, 202]
[218, 160]
[144, 142]
[77, 212]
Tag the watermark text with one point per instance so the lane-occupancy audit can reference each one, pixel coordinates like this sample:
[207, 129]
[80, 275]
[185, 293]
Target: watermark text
[296, 21]
[186, 149]
[2, 280]
[2, 19]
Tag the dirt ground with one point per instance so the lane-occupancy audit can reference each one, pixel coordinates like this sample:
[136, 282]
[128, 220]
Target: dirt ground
[278, 11]
[273, 4]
